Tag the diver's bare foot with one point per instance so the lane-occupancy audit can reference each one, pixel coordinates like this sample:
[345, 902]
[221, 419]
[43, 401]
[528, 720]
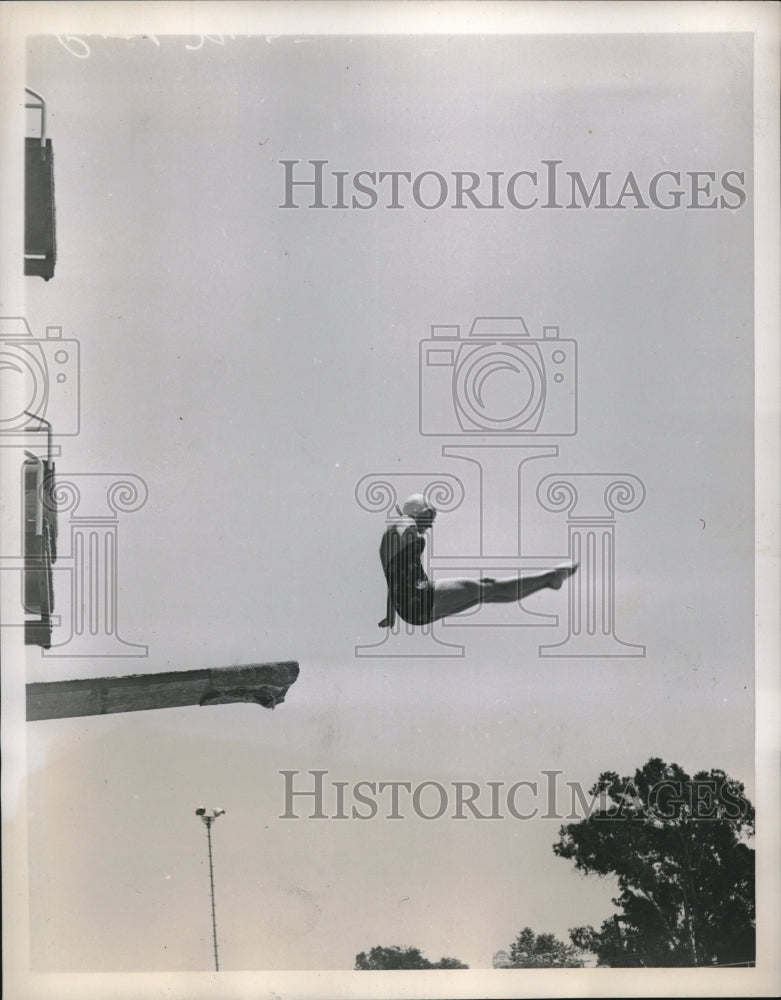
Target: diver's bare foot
[560, 574]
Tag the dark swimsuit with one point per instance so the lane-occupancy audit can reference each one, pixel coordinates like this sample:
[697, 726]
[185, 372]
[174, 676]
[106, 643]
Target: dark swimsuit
[411, 591]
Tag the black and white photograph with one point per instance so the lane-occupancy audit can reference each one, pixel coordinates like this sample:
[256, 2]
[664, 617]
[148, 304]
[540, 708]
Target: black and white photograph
[389, 558]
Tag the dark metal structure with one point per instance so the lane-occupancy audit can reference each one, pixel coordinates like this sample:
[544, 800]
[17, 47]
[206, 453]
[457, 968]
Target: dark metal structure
[40, 541]
[40, 240]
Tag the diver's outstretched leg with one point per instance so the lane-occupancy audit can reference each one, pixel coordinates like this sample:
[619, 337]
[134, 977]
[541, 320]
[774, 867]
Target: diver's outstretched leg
[460, 594]
[516, 588]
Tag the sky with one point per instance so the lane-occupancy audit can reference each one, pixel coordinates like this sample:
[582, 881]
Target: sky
[253, 364]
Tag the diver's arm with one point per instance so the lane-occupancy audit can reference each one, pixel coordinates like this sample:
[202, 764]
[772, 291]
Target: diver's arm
[390, 618]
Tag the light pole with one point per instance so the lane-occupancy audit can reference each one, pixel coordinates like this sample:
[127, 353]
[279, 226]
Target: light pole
[209, 816]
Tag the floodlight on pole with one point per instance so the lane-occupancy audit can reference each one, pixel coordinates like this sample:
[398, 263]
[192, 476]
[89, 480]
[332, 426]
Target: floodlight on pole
[209, 816]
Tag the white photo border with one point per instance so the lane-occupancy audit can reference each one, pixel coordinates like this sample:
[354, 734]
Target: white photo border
[17, 20]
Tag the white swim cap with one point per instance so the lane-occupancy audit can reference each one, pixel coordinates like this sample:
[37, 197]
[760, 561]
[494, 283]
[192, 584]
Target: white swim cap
[414, 505]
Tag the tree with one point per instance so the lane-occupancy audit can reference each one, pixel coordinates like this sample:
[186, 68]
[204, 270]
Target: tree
[542, 951]
[395, 957]
[449, 963]
[676, 845]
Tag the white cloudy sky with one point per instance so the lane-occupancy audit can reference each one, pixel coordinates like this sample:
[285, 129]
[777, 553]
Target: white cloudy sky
[253, 364]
